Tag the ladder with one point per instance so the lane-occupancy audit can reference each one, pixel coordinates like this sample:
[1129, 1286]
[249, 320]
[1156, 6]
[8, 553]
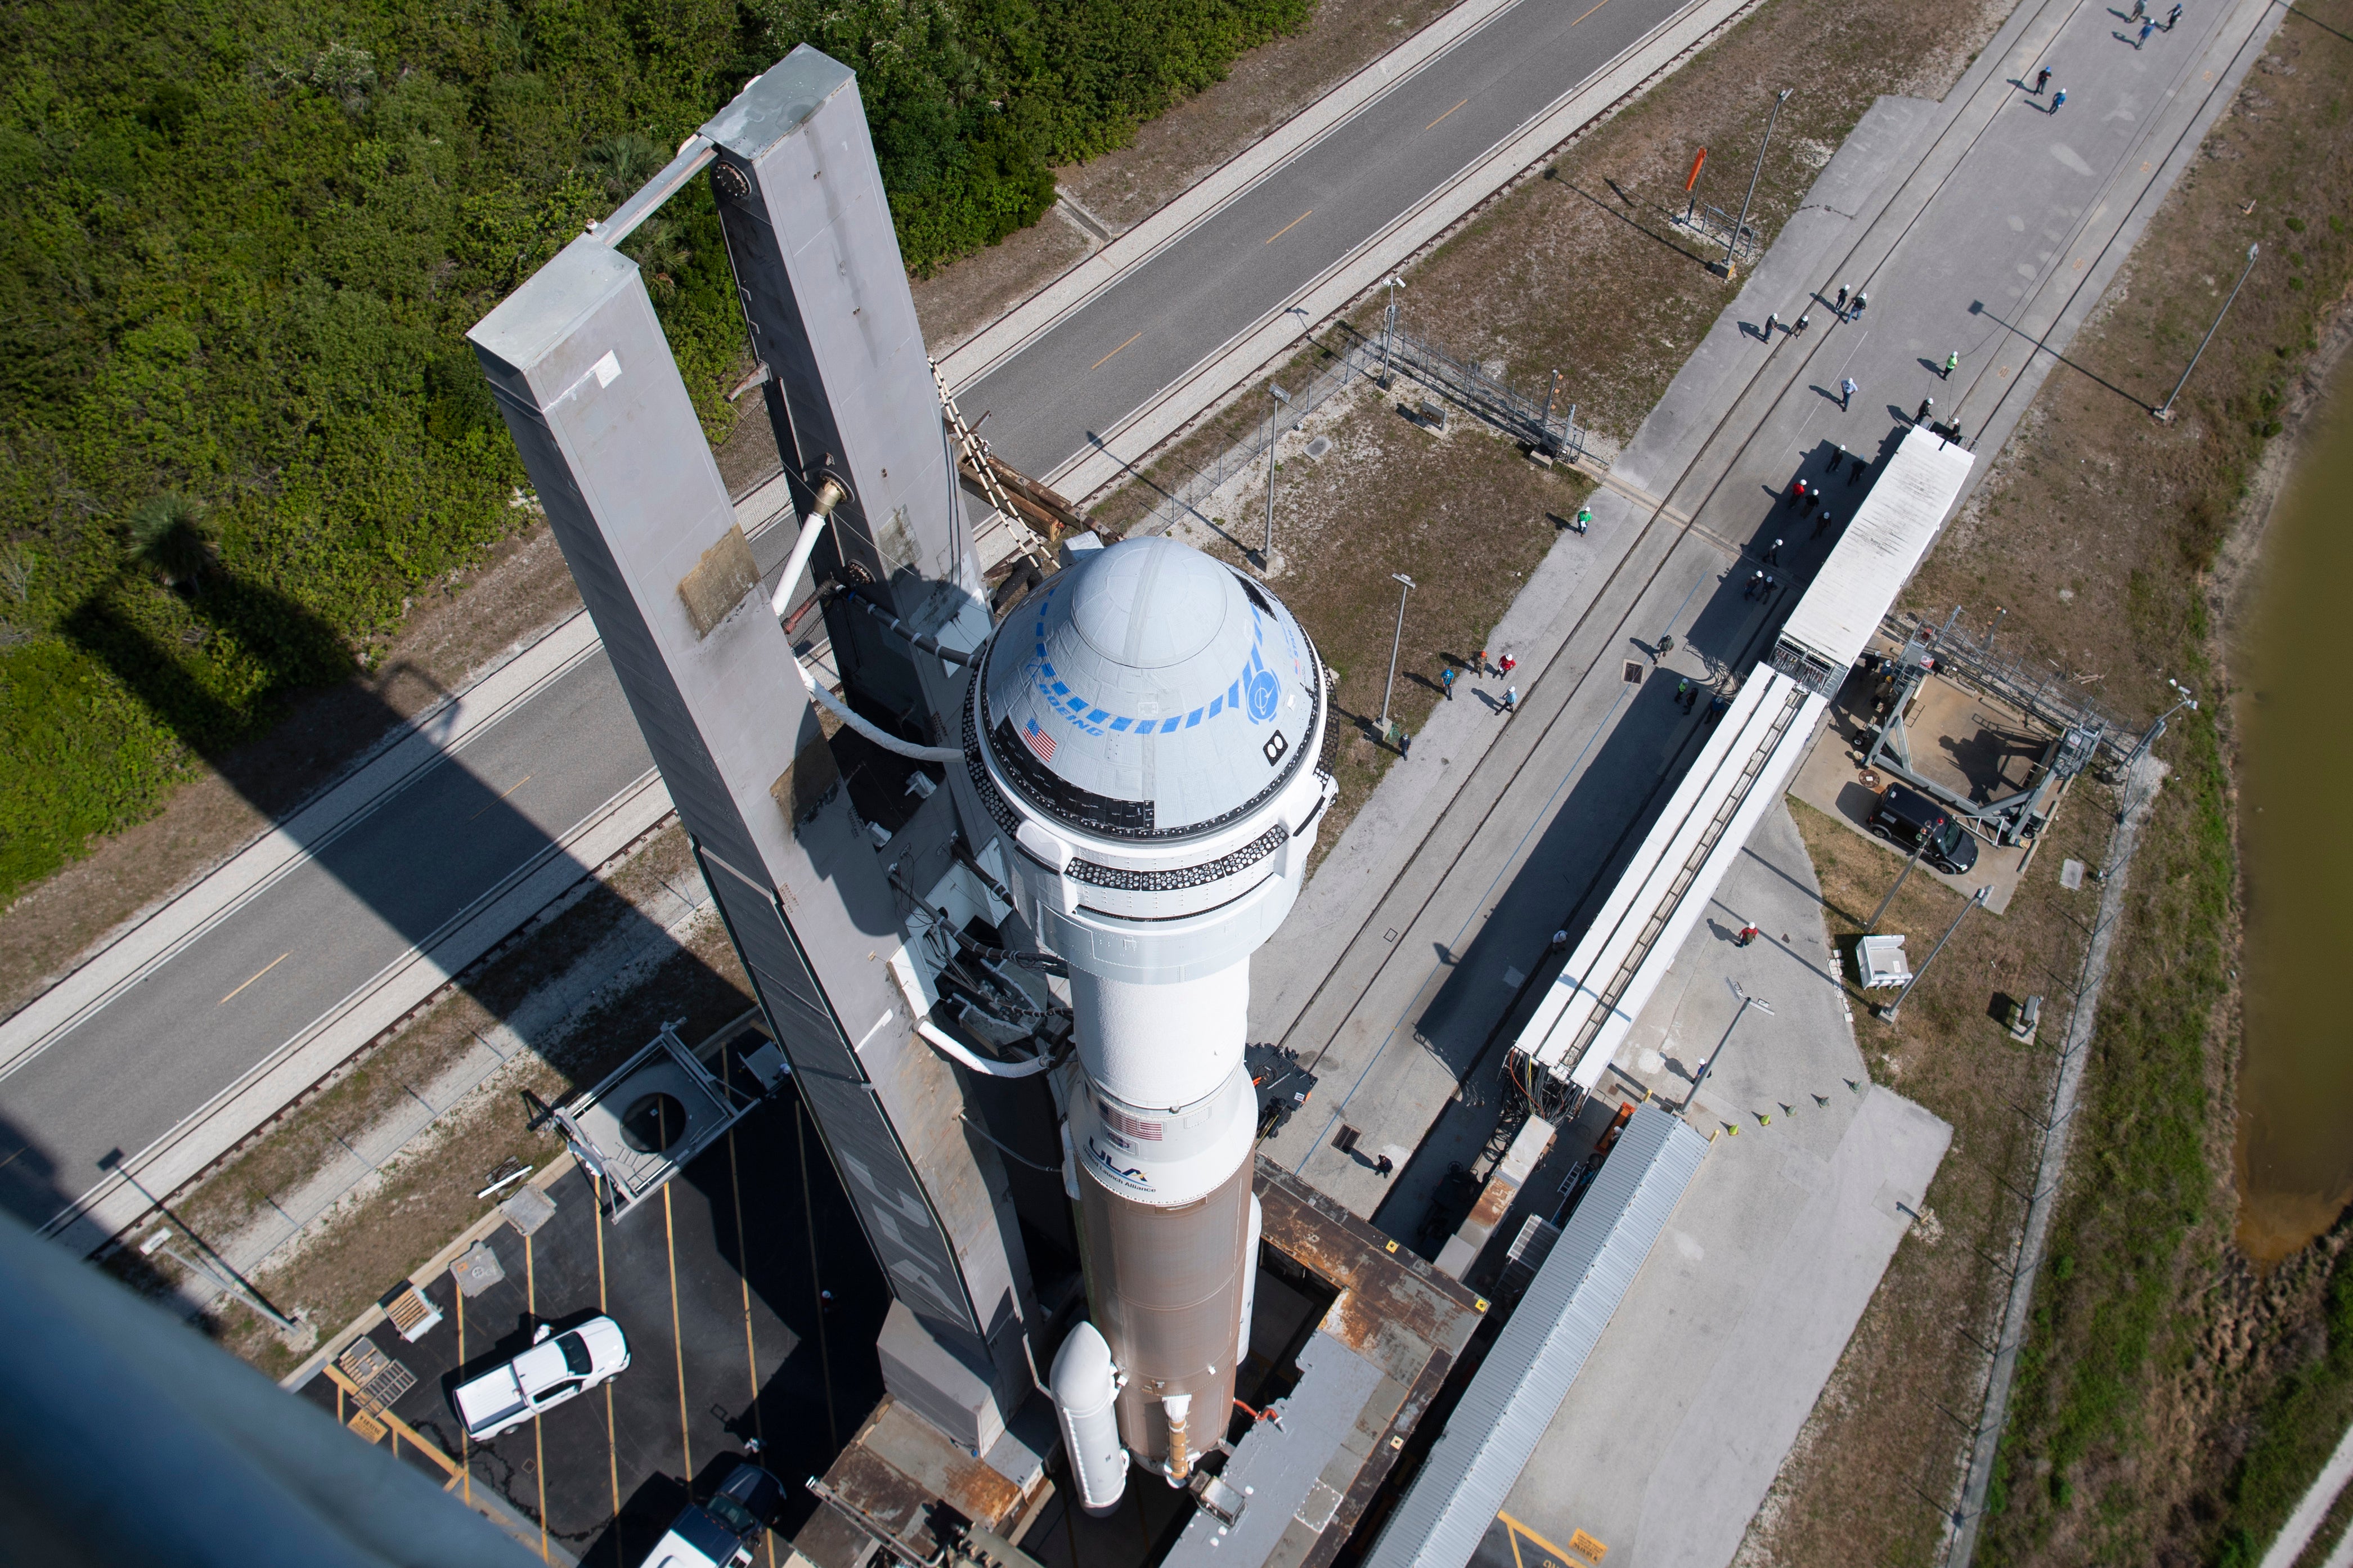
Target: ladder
[1684, 876]
[975, 458]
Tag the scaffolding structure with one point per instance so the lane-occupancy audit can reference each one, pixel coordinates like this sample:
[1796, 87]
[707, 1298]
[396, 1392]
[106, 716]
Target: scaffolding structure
[2080, 734]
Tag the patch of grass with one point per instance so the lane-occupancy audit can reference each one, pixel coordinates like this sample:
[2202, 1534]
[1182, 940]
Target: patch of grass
[2152, 1358]
[2297, 1428]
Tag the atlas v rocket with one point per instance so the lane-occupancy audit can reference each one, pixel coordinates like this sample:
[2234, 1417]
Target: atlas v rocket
[1129, 753]
[1144, 731]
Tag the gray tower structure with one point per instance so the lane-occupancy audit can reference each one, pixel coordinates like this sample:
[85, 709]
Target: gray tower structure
[580, 368]
[1122, 772]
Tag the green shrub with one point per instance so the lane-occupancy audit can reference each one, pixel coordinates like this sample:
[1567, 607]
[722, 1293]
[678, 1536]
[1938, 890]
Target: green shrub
[239, 248]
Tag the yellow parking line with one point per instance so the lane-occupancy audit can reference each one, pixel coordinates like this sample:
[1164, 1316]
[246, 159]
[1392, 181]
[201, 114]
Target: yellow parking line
[264, 969]
[538, 1441]
[465, 1459]
[1596, 8]
[612, 1443]
[502, 795]
[676, 1340]
[1294, 223]
[1515, 1527]
[742, 1277]
[1114, 353]
[1433, 124]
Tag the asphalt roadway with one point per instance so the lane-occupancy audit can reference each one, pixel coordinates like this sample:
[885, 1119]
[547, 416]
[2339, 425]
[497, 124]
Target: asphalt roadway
[249, 984]
[1113, 354]
[237, 995]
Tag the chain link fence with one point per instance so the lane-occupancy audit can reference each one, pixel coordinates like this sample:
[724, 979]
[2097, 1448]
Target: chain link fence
[1532, 421]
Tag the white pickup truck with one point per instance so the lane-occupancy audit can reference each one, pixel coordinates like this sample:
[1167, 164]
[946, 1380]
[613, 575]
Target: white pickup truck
[557, 1367]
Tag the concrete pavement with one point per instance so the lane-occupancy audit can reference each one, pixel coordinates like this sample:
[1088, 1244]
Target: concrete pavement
[1670, 1438]
[1467, 868]
[1933, 209]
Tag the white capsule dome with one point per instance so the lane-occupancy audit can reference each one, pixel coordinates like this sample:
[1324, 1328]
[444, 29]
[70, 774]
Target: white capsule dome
[1149, 692]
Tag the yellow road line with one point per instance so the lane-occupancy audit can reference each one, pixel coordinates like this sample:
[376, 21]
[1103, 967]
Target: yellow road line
[538, 1439]
[1294, 223]
[1433, 124]
[1597, 7]
[502, 795]
[676, 1340]
[1113, 354]
[264, 969]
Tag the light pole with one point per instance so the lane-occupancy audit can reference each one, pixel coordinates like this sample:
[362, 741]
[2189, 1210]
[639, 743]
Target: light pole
[160, 1241]
[2167, 411]
[1731, 244]
[1394, 643]
[216, 1269]
[2188, 699]
[1388, 327]
[1747, 1001]
[1917, 850]
[1266, 555]
[1888, 1017]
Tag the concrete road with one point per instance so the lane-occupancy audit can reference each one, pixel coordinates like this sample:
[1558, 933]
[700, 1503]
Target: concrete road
[1431, 919]
[243, 987]
[1109, 358]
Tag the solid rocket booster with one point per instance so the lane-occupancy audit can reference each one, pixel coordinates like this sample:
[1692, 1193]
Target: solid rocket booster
[1145, 730]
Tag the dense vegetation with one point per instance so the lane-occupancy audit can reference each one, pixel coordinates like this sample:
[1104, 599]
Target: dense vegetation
[240, 245]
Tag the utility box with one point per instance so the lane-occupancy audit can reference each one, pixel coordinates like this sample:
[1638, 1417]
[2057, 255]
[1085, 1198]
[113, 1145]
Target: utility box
[1881, 961]
[1432, 415]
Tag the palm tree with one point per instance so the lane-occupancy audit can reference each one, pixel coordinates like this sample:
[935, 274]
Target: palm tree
[625, 161]
[168, 535]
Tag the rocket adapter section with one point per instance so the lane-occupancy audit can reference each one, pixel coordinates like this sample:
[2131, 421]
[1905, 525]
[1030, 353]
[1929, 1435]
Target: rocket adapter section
[1145, 732]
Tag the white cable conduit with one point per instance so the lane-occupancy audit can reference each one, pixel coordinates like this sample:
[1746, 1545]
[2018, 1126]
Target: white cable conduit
[888, 742]
[782, 601]
[979, 1064]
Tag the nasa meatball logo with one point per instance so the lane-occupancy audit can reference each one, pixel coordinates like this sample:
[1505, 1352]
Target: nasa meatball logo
[1264, 694]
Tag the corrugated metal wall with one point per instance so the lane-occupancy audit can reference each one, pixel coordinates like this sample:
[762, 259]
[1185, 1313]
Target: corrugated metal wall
[1518, 1390]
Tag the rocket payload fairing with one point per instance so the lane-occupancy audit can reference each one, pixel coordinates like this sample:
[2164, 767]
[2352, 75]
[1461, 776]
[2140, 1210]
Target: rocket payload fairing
[1144, 730]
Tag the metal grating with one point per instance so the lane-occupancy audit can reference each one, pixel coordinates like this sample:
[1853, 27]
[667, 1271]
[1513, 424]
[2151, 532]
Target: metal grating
[1519, 1388]
[378, 1379]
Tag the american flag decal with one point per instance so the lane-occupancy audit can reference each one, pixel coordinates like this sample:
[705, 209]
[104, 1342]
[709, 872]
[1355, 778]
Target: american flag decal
[1039, 742]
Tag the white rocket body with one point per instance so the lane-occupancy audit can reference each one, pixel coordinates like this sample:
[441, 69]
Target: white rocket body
[1148, 722]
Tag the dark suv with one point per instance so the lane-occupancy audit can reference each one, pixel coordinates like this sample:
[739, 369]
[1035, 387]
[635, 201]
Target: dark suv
[1905, 816]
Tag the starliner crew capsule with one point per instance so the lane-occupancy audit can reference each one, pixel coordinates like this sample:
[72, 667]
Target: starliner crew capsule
[1144, 730]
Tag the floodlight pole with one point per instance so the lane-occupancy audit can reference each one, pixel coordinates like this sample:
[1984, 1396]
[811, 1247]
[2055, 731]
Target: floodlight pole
[1747, 1001]
[1733, 243]
[2167, 411]
[218, 1269]
[1394, 643]
[1388, 327]
[1266, 552]
[1917, 850]
[1888, 1017]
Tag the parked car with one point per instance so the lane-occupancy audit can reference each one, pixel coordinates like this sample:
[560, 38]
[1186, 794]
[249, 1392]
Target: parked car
[723, 1532]
[556, 1368]
[1903, 816]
